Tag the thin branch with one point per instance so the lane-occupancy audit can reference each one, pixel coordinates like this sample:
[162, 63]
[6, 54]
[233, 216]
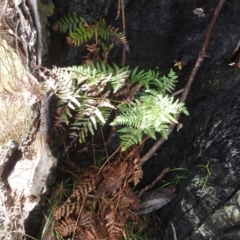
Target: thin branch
[202, 55]
[119, 8]
[174, 231]
[153, 183]
[124, 33]
[123, 18]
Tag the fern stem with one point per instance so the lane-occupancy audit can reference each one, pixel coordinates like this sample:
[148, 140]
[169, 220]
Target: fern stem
[105, 146]
[123, 18]
[107, 161]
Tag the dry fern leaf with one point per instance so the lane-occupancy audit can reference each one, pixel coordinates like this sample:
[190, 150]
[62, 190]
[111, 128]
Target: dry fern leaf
[118, 38]
[114, 232]
[101, 230]
[67, 209]
[69, 40]
[125, 215]
[91, 234]
[66, 227]
[113, 179]
[92, 48]
[55, 27]
[75, 201]
[133, 91]
[80, 235]
[86, 220]
[138, 172]
[125, 198]
[83, 188]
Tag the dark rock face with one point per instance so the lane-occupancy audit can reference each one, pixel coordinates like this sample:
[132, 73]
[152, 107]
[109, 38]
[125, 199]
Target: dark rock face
[161, 31]
[207, 206]
[90, 10]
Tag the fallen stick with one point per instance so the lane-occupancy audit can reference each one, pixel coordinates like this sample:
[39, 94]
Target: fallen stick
[153, 183]
[202, 55]
[174, 231]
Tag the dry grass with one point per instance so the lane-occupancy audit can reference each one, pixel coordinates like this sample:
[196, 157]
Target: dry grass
[15, 119]
[18, 92]
[15, 98]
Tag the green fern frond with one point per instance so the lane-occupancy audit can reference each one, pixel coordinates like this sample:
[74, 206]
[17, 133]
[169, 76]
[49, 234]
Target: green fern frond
[168, 83]
[129, 136]
[118, 38]
[152, 113]
[131, 115]
[87, 76]
[153, 79]
[69, 23]
[84, 91]
[83, 34]
[151, 132]
[103, 30]
[87, 121]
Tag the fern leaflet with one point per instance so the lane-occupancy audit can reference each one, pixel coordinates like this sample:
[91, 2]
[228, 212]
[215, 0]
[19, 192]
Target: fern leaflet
[152, 113]
[69, 23]
[84, 92]
[153, 79]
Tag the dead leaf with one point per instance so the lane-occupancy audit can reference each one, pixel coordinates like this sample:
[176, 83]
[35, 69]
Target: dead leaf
[113, 179]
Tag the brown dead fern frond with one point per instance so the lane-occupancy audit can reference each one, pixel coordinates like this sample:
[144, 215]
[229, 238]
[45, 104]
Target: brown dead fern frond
[125, 198]
[118, 38]
[102, 202]
[83, 188]
[80, 234]
[138, 172]
[125, 215]
[91, 234]
[114, 232]
[85, 219]
[113, 179]
[67, 209]
[66, 227]
[93, 54]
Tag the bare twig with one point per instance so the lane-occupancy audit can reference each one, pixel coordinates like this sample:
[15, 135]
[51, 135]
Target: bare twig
[174, 231]
[124, 32]
[119, 8]
[152, 184]
[178, 92]
[202, 55]
[123, 18]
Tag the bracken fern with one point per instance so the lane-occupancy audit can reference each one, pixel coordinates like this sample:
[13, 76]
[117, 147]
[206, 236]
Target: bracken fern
[152, 113]
[85, 99]
[83, 93]
[80, 32]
